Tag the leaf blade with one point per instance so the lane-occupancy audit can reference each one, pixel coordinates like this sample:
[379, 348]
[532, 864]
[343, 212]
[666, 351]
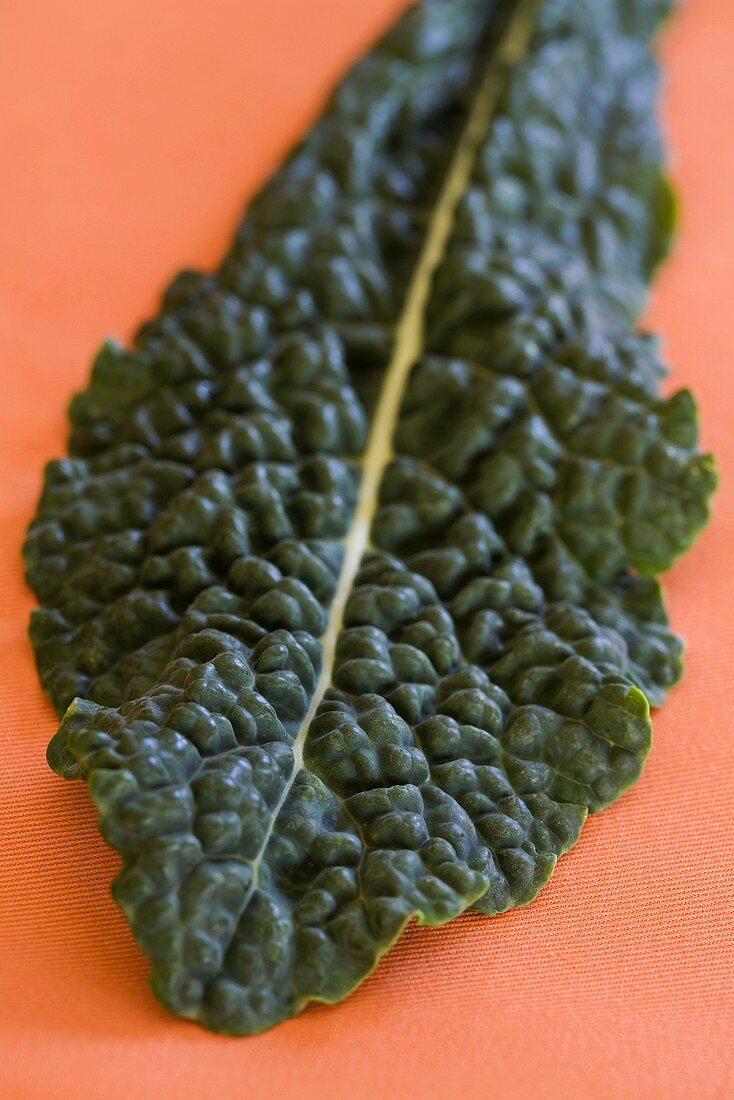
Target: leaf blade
[287, 790]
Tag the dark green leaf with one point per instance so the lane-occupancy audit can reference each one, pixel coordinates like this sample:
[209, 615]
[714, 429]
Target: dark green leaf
[349, 596]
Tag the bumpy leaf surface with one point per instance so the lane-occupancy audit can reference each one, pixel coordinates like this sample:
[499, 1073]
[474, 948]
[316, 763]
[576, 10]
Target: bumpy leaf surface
[348, 586]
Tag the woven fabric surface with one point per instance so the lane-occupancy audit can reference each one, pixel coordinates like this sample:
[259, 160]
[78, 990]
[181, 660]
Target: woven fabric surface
[131, 133]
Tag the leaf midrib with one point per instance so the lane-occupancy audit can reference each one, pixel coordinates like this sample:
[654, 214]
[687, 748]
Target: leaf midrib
[409, 338]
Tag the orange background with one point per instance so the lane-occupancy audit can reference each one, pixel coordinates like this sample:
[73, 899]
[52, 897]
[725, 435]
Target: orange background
[131, 131]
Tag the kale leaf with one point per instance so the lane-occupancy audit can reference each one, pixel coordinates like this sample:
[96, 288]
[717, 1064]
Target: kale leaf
[349, 584]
